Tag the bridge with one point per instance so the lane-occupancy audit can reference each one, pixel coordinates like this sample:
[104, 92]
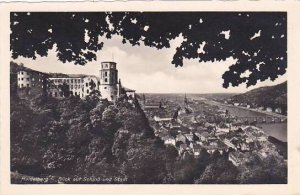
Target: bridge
[262, 119]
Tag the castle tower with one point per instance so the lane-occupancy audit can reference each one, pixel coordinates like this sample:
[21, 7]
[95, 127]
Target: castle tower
[109, 81]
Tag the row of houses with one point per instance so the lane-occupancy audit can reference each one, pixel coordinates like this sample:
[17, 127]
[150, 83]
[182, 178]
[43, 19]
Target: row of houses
[277, 110]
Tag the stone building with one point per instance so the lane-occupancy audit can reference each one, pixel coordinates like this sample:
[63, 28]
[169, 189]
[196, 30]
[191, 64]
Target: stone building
[78, 85]
[29, 78]
[107, 83]
[31, 82]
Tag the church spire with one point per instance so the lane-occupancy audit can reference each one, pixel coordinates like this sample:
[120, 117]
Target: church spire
[185, 100]
[144, 99]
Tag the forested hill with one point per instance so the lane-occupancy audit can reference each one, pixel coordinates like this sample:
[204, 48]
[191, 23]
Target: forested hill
[271, 96]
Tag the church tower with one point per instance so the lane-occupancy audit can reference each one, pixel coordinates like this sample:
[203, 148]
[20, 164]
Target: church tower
[109, 81]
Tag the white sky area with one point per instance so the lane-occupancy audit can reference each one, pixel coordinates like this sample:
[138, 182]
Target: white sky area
[148, 70]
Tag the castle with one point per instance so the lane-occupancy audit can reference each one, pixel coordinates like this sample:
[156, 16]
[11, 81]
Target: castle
[107, 83]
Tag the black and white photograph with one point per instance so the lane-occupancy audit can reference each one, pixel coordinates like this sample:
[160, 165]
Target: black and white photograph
[148, 97]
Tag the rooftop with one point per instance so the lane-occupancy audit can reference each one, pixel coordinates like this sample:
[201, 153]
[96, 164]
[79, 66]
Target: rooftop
[128, 90]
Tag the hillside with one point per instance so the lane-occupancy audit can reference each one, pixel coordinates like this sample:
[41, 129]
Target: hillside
[271, 96]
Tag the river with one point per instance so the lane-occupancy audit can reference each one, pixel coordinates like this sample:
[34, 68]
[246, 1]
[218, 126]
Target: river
[277, 130]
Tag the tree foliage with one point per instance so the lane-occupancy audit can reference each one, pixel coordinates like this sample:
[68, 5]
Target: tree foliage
[72, 136]
[256, 40]
[65, 89]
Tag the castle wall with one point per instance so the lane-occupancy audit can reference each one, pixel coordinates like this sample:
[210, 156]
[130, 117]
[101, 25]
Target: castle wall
[110, 92]
[86, 85]
[31, 83]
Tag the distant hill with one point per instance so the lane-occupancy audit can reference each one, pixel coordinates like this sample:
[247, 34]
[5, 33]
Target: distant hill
[218, 96]
[271, 96]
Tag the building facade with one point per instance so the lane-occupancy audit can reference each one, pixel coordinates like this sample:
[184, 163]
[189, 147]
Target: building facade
[109, 85]
[78, 86]
[28, 78]
[81, 85]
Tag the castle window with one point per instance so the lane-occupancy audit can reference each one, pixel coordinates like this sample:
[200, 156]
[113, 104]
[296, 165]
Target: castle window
[105, 87]
[19, 79]
[105, 73]
[27, 85]
[86, 84]
[22, 79]
[105, 80]
[21, 85]
[87, 91]
[55, 94]
[21, 72]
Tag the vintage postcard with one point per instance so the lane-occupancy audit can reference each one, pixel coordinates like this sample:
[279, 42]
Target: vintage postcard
[134, 96]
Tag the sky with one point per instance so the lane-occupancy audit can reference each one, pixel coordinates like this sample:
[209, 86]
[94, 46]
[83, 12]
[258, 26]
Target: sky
[149, 70]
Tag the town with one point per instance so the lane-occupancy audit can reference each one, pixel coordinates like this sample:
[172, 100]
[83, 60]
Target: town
[192, 125]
